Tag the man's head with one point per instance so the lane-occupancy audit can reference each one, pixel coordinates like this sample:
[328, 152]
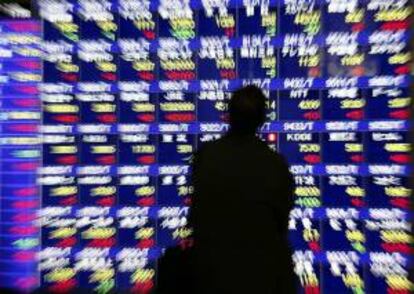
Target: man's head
[247, 109]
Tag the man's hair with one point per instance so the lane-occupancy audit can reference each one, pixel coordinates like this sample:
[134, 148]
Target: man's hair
[247, 109]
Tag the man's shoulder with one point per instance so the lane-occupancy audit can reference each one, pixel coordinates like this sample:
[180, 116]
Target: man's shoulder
[272, 155]
[255, 145]
[206, 148]
[269, 157]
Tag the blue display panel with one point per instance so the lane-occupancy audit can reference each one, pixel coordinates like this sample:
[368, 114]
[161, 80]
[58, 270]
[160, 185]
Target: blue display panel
[20, 152]
[133, 87]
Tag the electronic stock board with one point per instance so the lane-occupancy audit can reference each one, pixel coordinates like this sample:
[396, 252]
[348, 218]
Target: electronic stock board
[131, 88]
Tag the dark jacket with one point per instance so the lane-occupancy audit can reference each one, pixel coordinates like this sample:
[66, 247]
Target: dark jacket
[242, 199]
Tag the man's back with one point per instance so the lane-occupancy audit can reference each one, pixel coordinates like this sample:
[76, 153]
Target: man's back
[241, 204]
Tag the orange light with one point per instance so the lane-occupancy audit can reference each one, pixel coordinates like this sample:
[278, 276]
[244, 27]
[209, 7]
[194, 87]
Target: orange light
[271, 137]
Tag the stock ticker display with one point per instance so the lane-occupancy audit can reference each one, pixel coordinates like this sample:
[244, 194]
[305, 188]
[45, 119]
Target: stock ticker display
[20, 152]
[131, 88]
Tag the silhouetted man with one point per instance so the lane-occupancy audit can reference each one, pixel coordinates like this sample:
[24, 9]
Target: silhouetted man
[242, 199]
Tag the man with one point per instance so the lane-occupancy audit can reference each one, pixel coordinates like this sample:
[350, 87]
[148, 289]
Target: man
[242, 199]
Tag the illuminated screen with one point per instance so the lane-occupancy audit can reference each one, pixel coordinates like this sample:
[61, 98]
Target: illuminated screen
[20, 152]
[131, 88]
